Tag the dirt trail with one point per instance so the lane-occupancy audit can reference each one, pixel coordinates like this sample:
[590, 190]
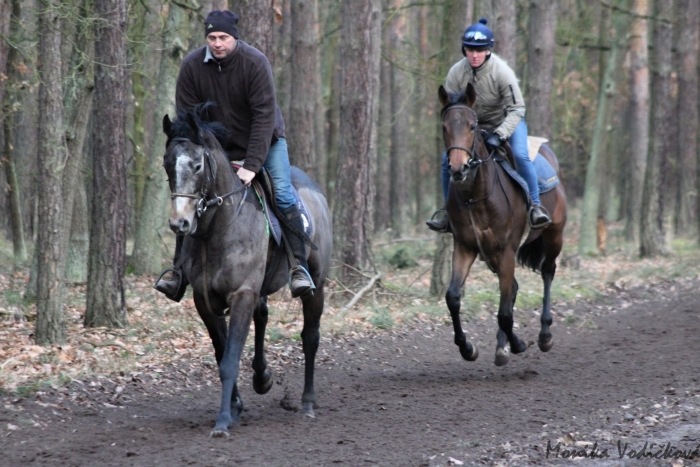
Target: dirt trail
[626, 370]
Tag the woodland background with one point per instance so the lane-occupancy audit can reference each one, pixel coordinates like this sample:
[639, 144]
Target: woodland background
[84, 87]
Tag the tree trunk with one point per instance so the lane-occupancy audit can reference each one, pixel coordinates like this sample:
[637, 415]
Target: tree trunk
[9, 65]
[106, 304]
[504, 27]
[595, 178]
[687, 46]
[255, 25]
[147, 254]
[357, 146]
[652, 235]
[540, 66]
[639, 131]
[50, 322]
[302, 110]
[400, 94]
[78, 105]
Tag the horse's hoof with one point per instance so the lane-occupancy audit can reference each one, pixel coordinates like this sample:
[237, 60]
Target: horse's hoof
[469, 357]
[307, 408]
[262, 384]
[546, 346]
[502, 356]
[219, 433]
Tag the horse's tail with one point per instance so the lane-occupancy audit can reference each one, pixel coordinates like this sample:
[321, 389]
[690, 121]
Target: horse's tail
[531, 255]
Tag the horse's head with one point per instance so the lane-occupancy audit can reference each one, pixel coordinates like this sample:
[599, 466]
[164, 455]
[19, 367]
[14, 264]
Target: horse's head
[460, 131]
[191, 169]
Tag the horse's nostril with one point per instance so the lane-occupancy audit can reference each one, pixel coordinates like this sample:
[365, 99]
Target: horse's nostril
[184, 225]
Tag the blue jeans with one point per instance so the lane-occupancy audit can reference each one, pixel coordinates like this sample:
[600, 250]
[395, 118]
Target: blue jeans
[277, 164]
[518, 144]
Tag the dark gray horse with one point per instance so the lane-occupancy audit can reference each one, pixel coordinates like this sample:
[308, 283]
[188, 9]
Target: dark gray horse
[227, 256]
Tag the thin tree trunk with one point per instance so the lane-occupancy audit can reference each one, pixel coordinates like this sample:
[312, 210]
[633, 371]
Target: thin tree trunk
[106, 305]
[147, 253]
[400, 93]
[255, 24]
[687, 46]
[652, 238]
[639, 143]
[9, 67]
[50, 322]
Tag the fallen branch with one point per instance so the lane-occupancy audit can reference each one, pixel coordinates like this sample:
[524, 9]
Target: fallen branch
[359, 294]
[107, 344]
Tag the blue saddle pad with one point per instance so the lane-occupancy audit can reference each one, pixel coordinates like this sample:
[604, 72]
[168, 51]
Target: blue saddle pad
[547, 178]
[276, 228]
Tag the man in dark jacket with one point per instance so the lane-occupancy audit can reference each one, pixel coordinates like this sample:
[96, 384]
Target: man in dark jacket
[237, 78]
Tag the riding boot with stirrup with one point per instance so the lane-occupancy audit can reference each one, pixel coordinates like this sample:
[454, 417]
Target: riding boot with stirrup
[539, 217]
[439, 222]
[175, 285]
[300, 282]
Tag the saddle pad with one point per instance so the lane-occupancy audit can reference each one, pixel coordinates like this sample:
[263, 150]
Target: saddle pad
[546, 176]
[276, 228]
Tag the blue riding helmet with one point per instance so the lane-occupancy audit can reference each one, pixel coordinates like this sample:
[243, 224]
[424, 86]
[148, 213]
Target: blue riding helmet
[478, 36]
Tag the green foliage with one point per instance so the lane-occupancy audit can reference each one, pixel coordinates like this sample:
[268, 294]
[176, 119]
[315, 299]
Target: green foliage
[274, 334]
[382, 319]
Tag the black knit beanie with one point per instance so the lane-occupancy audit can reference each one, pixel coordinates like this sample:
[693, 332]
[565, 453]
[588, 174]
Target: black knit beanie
[221, 21]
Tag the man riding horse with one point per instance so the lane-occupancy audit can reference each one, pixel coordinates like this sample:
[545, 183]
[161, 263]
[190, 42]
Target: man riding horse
[237, 79]
[500, 108]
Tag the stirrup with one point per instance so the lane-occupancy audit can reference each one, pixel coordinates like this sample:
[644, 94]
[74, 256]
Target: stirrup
[441, 225]
[177, 296]
[309, 290]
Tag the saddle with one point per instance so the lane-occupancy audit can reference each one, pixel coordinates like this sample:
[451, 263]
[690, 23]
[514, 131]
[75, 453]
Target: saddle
[265, 193]
[547, 178]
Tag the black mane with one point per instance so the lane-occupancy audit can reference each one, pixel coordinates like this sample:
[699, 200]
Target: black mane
[182, 126]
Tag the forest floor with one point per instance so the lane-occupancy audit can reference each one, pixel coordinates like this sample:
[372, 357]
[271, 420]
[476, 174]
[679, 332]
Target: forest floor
[392, 388]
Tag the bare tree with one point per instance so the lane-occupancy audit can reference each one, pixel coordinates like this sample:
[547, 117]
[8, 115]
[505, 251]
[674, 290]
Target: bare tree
[50, 322]
[352, 217]
[106, 305]
[147, 256]
[504, 26]
[540, 66]
[255, 25]
[304, 87]
[639, 129]
[652, 236]
[687, 46]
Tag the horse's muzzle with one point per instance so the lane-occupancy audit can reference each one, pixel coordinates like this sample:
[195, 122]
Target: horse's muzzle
[459, 176]
[183, 226]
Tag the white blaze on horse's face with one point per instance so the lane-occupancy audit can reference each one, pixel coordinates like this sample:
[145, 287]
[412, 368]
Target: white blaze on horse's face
[188, 181]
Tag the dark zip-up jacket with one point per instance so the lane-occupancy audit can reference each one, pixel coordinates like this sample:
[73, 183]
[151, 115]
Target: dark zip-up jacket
[243, 91]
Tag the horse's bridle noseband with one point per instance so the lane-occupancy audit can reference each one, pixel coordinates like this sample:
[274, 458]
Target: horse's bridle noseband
[203, 202]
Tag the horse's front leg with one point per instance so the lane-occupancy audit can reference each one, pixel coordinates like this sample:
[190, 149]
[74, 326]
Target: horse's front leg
[509, 291]
[313, 308]
[262, 378]
[462, 260]
[241, 304]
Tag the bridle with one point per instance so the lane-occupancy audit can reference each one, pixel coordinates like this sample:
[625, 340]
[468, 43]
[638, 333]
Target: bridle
[205, 202]
[474, 160]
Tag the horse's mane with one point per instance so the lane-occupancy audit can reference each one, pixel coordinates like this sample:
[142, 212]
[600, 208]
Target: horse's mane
[181, 127]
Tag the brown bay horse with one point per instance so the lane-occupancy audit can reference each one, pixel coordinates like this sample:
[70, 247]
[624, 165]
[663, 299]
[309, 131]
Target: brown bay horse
[488, 217]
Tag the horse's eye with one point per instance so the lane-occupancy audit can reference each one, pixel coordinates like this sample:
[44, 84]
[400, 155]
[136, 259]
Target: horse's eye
[473, 126]
[198, 168]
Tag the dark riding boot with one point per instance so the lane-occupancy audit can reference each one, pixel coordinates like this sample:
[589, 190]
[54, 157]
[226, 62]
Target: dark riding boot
[539, 217]
[300, 282]
[175, 284]
[439, 222]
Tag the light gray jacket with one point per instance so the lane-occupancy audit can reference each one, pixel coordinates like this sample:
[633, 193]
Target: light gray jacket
[499, 102]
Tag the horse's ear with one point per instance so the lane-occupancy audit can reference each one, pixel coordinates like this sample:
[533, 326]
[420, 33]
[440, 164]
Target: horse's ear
[470, 95]
[167, 124]
[443, 96]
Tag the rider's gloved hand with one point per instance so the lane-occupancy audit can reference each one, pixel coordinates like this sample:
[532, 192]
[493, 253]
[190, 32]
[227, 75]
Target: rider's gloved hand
[494, 140]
